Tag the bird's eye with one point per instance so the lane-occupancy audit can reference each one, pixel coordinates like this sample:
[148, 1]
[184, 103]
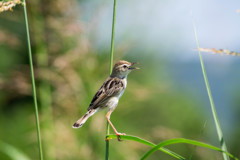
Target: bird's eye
[124, 66]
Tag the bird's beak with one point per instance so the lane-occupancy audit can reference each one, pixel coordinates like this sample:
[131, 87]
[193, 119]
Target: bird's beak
[132, 68]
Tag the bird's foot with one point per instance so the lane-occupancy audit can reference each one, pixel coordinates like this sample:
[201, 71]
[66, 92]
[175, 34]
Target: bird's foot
[119, 134]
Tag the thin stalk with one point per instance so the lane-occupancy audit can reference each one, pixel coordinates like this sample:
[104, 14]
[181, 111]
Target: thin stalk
[214, 113]
[33, 83]
[112, 39]
[110, 69]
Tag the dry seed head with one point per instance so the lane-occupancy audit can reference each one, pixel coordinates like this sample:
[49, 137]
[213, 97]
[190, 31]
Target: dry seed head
[5, 6]
[219, 51]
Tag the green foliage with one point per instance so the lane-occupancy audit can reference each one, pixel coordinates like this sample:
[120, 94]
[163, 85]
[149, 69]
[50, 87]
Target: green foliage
[182, 140]
[140, 140]
[33, 83]
[161, 145]
[214, 113]
[13, 152]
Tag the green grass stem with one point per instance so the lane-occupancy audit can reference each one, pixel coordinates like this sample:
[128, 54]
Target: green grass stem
[182, 140]
[214, 113]
[33, 83]
[113, 34]
[140, 140]
[110, 70]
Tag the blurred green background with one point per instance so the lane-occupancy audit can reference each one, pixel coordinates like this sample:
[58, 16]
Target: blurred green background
[165, 99]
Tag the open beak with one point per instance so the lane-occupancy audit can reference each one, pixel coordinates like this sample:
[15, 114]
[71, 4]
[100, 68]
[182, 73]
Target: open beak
[132, 68]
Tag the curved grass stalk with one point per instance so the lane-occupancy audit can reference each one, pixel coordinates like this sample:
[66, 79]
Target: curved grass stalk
[214, 113]
[140, 140]
[33, 83]
[12, 152]
[110, 69]
[182, 140]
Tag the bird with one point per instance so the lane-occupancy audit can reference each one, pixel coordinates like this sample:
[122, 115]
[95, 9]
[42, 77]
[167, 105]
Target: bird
[108, 95]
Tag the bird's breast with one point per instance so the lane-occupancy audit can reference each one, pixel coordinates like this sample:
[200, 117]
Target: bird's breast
[124, 87]
[112, 102]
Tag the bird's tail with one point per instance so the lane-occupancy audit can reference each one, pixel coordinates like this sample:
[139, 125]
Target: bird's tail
[84, 118]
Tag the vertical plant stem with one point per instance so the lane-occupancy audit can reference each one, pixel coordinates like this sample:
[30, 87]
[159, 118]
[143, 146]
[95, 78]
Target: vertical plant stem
[41, 53]
[110, 69]
[112, 39]
[33, 83]
[215, 117]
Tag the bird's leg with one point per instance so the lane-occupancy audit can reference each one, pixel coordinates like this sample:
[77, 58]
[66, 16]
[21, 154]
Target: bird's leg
[108, 118]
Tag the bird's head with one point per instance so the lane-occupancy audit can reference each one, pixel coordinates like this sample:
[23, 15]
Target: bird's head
[122, 68]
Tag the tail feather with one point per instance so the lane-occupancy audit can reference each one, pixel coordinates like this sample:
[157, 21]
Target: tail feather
[83, 119]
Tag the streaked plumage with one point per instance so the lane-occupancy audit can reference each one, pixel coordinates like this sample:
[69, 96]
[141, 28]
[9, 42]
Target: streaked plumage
[109, 93]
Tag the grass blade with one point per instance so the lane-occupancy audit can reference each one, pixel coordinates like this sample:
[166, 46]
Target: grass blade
[140, 140]
[214, 113]
[33, 83]
[110, 69]
[182, 140]
[12, 152]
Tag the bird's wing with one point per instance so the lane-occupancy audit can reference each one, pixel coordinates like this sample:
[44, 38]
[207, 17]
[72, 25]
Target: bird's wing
[111, 87]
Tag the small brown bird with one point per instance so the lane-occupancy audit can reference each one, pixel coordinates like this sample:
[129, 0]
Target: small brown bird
[109, 93]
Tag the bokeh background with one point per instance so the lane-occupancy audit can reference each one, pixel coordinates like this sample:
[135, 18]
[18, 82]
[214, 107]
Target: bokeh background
[165, 99]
